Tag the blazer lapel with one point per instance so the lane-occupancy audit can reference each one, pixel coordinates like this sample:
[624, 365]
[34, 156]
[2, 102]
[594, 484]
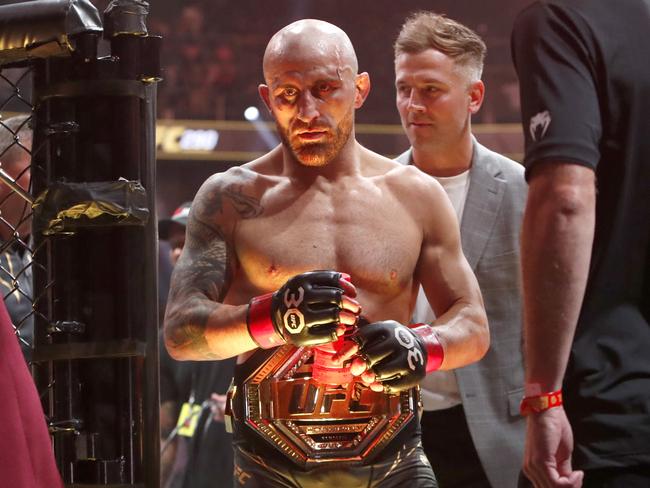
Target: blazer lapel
[484, 198]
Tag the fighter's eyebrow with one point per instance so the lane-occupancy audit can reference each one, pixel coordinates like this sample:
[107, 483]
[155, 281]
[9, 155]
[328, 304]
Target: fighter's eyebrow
[328, 79]
[285, 79]
[285, 84]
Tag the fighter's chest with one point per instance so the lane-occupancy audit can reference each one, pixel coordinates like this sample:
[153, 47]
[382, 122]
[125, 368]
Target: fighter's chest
[373, 239]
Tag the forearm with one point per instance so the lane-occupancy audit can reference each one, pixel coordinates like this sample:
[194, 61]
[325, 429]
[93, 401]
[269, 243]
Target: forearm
[201, 329]
[453, 293]
[557, 238]
[464, 334]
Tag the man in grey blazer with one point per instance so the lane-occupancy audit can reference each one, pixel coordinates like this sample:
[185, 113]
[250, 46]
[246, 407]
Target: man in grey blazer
[471, 428]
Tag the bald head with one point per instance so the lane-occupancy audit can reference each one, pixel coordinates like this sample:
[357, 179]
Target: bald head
[310, 39]
[312, 90]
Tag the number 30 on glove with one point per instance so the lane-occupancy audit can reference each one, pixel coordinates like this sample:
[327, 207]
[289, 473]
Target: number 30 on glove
[393, 357]
[309, 309]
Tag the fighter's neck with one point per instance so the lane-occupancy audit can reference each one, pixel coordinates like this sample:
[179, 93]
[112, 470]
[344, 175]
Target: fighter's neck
[444, 159]
[346, 163]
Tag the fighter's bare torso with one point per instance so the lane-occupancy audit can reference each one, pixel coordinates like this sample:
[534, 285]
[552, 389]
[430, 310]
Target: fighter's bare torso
[253, 227]
[367, 223]
[362, 224]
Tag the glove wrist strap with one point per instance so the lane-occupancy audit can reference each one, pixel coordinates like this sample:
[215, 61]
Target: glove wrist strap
[435, 352]
[260, 325]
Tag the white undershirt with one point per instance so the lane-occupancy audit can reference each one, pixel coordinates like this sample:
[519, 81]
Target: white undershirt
[440, 388]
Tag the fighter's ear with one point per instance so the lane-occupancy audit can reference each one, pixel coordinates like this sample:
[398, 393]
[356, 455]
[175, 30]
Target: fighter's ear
[362, 85]
[476, 96]
[263, 90]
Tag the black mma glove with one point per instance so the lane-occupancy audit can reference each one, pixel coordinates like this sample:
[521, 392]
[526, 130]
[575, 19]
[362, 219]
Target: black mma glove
[396, 354]
[304, 311]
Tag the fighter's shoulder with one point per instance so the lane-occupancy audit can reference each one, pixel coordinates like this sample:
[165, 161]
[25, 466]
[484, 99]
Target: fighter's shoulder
[230, 194]
[375, 164]
[400, 175]
[411, 182]
[245, 177]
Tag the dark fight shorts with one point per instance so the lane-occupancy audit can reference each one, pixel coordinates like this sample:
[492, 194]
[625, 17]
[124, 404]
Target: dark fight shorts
[407, 467]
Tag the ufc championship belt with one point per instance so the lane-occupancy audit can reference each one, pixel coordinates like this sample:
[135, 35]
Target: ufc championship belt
[312, 422]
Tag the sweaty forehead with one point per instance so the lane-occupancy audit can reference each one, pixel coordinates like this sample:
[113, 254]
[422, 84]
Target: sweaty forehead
[306, 46]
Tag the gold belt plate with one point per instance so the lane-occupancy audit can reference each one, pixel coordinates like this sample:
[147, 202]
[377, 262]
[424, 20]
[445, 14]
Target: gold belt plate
[314, 423]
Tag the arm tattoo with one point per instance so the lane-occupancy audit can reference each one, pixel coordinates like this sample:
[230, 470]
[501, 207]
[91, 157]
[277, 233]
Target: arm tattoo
[247, 207]
[203, 276]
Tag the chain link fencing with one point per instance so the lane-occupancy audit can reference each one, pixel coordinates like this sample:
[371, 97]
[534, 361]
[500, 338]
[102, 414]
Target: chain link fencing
[16, 244]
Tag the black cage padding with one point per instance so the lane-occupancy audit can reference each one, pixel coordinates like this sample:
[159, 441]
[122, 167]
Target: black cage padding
[44, 28]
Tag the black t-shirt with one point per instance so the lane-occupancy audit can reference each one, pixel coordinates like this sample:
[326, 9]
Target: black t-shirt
[210, 454]
[585, 92]
[210, 460]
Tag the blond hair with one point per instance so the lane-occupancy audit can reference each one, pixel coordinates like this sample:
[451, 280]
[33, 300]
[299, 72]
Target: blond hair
[427, 30]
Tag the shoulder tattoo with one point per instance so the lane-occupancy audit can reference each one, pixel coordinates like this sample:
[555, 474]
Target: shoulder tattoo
[202, 277]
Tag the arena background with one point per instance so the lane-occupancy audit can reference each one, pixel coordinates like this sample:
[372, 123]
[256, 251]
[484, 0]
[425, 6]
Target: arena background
[211, 67]
[212, 58]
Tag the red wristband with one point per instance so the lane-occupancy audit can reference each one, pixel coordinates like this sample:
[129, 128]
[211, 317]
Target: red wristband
[260, 326]
[435, 352]
[539, 403]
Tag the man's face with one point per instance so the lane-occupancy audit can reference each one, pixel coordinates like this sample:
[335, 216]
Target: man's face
[313, 104]
[435, 97]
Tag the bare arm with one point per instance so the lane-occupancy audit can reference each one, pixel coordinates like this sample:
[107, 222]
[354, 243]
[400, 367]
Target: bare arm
[451, 287]
[556, 243]
[387, 360]
[198, 326]
[557, 238]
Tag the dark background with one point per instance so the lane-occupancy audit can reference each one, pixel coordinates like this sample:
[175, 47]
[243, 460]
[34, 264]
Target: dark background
[213, 49]
[212, 61]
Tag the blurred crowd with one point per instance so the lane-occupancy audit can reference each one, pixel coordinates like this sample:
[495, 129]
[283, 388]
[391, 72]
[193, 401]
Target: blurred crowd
[212, 52]
[200, 67]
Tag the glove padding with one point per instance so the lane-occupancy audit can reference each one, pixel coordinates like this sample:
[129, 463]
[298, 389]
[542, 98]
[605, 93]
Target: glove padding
[305, 310]
[394, 353]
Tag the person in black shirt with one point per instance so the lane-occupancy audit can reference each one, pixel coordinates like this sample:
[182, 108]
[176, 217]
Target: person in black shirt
[585, 94]
[210, 454]
[205, 449]
[200, 456]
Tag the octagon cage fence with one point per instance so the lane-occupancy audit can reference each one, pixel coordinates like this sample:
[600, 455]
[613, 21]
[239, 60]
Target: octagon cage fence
[78, 250]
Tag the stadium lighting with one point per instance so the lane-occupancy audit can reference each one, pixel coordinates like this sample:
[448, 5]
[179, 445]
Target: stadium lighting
[251, 113]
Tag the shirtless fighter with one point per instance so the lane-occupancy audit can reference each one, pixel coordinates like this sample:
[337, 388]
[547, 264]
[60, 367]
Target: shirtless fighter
[324, 392]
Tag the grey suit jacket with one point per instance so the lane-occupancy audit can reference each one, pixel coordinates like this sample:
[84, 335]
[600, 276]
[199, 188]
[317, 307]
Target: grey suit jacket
[492, 388]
